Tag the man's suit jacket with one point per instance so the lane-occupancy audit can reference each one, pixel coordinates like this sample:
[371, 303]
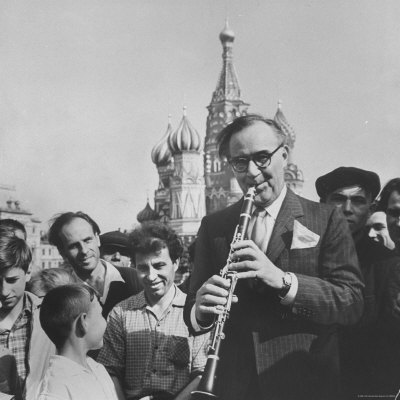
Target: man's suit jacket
[287, 351]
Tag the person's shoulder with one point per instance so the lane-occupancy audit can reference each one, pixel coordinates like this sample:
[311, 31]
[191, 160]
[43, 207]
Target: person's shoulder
[95, 366]
[127, 273]
[315, 206]
[222, 215]
[133, 302]
[54, 384]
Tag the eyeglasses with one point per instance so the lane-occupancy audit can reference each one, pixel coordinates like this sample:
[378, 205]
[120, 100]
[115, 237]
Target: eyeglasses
[262, 159]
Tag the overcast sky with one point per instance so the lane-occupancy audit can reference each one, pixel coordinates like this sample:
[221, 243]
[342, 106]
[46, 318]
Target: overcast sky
[86, 88]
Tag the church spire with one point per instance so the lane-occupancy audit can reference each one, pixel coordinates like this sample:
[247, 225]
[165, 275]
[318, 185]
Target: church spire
[228, 83]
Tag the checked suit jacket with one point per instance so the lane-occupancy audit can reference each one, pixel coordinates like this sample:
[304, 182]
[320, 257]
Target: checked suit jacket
[286, 352]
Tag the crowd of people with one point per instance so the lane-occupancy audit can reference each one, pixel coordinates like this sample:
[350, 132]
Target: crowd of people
[315, 314]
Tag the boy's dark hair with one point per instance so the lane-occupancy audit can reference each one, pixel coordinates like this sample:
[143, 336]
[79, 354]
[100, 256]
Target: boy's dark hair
[61, 306]
[13, 225]
[392, 186]
[60, 220]
[152, 236]
[14, 252]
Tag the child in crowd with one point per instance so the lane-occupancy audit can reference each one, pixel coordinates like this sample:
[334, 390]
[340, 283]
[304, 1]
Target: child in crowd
[21, 336]
[71, 316]
[46, 279]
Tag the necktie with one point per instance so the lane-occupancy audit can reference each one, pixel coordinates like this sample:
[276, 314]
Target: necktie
[259, 232]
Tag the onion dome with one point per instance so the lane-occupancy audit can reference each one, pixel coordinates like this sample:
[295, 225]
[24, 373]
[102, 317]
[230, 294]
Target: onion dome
[147, 214]
[161, 154]
[185, 138]
[285, 126]
[227, 34]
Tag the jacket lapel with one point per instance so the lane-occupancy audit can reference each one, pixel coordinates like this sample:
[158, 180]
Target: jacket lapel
[281, 237]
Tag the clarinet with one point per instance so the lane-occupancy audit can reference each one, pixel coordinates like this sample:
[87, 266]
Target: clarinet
[206, 387]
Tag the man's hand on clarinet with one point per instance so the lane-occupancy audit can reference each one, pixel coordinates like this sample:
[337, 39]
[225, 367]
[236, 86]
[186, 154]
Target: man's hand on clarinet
[211, 298]
[250, 262]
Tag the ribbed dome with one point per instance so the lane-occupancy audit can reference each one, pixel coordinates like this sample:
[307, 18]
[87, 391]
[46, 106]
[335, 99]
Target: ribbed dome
[147, 214]
[161, 154]
[185, 138]
[285, 126]
[227, 34]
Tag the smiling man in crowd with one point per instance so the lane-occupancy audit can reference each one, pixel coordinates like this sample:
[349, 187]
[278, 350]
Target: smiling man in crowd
[389, 202]
[76, 237]
[297, 278]
[147, 347]
[378, 230]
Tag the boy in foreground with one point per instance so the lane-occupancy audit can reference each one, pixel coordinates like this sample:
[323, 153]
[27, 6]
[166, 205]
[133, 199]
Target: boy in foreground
[23, 344]
[71, 316]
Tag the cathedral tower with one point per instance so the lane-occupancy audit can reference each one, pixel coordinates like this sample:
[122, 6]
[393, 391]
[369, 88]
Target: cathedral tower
[293, 175]
[226, 104]
[161, 156]
[187, 181]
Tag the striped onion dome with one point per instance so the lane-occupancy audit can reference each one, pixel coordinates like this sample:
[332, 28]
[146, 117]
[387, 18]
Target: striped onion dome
[161, 153]
[185, 138]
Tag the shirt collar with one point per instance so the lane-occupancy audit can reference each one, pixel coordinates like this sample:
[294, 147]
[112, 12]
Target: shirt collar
[274, 208]
[28, 304]
[64, 366]
[139, 301]
[111, 275]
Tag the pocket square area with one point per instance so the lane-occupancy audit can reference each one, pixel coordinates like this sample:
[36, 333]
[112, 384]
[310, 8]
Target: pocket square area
[303, 238]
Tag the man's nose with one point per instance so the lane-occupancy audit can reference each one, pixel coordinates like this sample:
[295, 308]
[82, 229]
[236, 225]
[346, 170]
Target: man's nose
[116, 256]
[252, 169]
[4, 290]
[372, 233]
[151, 274]
[84, 248]
[347, 207]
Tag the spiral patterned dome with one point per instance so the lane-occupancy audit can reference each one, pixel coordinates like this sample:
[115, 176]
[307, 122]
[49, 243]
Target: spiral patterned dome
[161, 153]
[185, 138]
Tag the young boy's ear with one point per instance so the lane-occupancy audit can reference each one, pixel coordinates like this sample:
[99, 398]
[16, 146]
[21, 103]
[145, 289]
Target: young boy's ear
[81, 325]
[28, 273]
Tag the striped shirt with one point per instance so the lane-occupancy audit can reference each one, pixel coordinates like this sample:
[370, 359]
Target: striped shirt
[151, 355]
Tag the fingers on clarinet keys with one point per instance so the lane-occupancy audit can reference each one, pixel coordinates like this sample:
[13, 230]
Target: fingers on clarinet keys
[219, 309]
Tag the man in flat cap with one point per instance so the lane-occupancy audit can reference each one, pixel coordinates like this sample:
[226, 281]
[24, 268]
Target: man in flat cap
[116, 249]
[354, 190]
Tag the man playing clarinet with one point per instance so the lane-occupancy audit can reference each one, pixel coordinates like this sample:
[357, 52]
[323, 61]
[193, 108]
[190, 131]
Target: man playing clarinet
[298, 278]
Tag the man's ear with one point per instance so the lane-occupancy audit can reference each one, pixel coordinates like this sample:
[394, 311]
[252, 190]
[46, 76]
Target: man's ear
[97, 239]
[176, 264]
[80, 325]
[285, 152]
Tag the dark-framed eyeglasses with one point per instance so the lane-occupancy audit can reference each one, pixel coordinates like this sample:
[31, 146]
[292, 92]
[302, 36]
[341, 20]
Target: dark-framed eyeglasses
[262, 159]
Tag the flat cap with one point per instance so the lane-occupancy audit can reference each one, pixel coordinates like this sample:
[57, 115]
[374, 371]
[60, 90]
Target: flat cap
[115, 238]
[348, 176]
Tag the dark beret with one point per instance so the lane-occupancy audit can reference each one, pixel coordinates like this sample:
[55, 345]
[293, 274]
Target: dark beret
[115, 238]
[348, 176]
